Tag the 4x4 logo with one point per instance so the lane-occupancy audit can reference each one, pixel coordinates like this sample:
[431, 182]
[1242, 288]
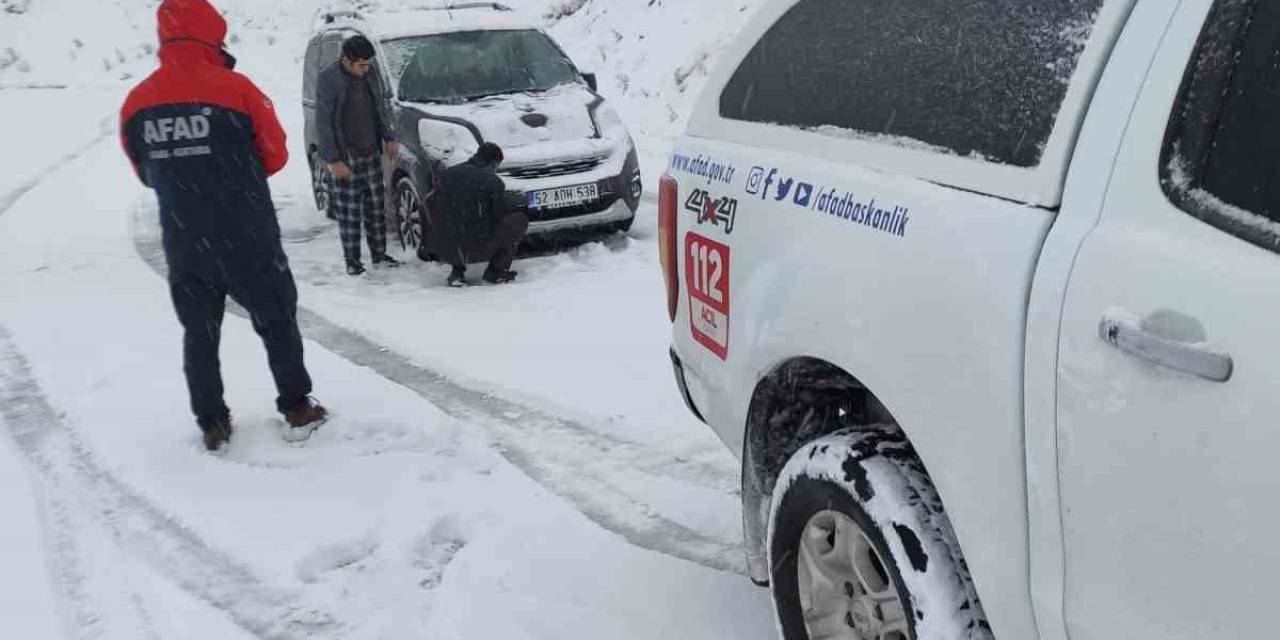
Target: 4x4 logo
[717, 211]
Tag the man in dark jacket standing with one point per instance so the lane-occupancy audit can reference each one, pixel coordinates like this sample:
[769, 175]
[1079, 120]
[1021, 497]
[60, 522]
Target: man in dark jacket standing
[353, 132]
[473, 223]
[205, 139]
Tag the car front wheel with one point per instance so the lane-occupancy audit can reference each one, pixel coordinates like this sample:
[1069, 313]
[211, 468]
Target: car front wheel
[860, 548]
[409, 216]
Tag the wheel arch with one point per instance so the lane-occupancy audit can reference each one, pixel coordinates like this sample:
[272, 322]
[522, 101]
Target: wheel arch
[799, 400]
[400, 173]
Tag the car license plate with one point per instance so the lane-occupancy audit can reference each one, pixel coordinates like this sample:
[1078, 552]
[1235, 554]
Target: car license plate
[563, 196]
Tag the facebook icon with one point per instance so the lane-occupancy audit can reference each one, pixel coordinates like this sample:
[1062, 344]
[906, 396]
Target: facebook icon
[768, 180]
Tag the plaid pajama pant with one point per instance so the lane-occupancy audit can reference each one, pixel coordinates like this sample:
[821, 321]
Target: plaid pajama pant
[361, 200]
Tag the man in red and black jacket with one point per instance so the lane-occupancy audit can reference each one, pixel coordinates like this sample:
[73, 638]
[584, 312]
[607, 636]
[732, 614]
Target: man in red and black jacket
[205, 139]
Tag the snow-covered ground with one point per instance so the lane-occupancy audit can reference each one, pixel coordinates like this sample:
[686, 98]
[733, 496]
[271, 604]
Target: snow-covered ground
[503, 462]
[28, 605]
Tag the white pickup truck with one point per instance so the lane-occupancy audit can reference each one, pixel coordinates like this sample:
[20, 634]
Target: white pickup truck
[973, 290]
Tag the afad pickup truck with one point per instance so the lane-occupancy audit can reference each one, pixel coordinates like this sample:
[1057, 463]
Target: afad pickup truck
[980, 293]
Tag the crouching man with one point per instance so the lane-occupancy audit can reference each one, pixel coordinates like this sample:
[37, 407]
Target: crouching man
[472, 222]
[205, 139]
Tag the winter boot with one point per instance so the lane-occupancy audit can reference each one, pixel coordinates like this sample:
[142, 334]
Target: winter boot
[386, 262]
[457, 278]
[303, 420]
[500, 277]
[354, 268]
[217, 433]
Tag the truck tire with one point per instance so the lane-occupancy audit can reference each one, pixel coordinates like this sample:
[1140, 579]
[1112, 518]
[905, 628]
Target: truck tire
[860, 547]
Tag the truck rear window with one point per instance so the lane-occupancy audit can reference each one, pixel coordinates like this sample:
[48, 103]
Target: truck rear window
[980, 78]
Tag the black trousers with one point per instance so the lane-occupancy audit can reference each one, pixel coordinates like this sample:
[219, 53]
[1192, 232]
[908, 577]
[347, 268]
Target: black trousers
[501, 247]
[269, 295]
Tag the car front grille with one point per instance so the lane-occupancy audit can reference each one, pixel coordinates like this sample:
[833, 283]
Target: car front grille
[551, 169]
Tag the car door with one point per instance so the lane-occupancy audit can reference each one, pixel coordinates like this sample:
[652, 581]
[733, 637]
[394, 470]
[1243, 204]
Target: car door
[1168, 365]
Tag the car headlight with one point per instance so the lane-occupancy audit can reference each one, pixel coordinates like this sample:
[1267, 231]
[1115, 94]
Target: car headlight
[451, 143]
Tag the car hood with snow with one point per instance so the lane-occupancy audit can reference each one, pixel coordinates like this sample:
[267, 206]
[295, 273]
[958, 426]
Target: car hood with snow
[566, 122]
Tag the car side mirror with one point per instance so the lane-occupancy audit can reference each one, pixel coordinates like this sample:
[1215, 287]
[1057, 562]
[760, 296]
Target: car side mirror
[591, 81]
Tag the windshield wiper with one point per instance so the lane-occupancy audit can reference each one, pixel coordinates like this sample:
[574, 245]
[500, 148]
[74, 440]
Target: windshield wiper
[508, 92]
[422, 100]
[477, 96]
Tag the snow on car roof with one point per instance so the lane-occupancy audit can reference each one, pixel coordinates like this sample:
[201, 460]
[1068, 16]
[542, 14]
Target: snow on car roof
[389, 25]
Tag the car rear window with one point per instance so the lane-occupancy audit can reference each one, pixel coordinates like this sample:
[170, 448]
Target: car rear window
[978, 78]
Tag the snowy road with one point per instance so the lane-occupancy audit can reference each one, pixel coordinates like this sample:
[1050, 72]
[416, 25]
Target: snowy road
[580, 463]
[471, 485]
[503, 462]
[88, 506]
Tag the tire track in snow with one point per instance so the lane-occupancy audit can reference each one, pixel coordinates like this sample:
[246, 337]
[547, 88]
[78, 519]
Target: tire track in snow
[575, 474]
[579, 469]
[12, 196]
[70, 473]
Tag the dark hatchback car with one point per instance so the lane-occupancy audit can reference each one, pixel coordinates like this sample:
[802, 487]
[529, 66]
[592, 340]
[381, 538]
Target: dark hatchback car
[464, 74]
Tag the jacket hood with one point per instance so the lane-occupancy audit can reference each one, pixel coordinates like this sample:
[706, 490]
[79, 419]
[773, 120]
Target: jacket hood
[192, 20]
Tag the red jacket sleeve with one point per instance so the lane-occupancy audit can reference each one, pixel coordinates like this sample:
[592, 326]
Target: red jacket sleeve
[268, 136]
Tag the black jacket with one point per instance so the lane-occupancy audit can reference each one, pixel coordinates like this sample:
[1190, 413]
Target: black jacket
[331, 98]
[465, 209]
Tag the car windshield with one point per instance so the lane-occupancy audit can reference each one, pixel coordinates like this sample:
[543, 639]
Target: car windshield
[455, 67]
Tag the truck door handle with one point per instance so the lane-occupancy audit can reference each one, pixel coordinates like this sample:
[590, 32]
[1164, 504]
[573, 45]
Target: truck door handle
[1194, 358]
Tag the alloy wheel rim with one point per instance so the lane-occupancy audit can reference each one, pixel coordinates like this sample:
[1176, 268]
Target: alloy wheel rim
[410, 220]
[844, 585]
[320, 187]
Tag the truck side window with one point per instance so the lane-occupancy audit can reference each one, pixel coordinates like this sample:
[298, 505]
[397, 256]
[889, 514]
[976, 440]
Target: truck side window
[982, 78]
[1221, 159]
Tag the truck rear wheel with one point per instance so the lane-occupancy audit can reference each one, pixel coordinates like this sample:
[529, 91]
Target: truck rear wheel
[860, 548]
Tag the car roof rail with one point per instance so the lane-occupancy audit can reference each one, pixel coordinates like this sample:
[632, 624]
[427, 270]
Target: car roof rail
[458, 6]
[496, 6]
[330, 17]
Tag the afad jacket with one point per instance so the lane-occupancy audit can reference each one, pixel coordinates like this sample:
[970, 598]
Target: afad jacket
[205, 139]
